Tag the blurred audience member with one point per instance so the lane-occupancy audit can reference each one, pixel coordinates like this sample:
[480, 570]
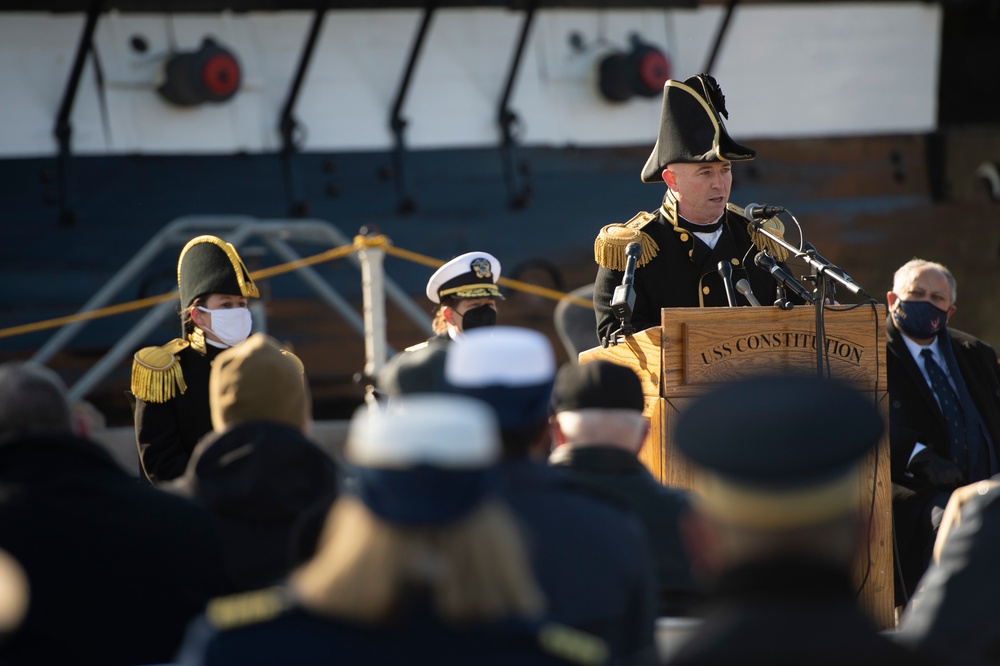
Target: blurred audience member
[598, 428]
[777, 525]
[421, 564]
[116, 569]
[590, 553]
[257, 472]
[954, 611]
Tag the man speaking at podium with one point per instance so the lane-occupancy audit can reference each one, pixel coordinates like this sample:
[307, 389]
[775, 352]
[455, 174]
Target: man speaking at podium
[694, 238]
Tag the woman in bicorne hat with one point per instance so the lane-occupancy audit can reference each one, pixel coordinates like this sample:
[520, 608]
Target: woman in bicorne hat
[170, 383]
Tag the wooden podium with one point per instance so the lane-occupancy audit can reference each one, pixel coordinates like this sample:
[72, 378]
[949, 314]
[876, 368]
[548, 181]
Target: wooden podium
[696, 348]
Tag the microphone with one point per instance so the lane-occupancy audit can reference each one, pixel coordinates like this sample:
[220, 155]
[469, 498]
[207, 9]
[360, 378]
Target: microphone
[783, 277]
[623, 300]
[756, 212]
[744, 288]
[725, 270]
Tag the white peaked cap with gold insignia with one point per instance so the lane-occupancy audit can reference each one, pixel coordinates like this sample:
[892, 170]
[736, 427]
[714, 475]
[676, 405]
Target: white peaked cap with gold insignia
[469, 275]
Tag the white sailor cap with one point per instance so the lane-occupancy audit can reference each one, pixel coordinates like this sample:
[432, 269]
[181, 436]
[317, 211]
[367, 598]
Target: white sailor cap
[469, 275]
[410, 469]
[510, 368]
[413, 430]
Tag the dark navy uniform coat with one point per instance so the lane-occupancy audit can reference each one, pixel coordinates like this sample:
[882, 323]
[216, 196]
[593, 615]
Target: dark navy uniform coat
[419, 369]
[789, 612]
[955, 610]
[589, 554]
[166, 433]
[299, 638]
[117, 569]
[620, 473]
[673, 278]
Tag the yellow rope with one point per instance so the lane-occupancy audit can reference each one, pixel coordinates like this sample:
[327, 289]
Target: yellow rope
[360, 242]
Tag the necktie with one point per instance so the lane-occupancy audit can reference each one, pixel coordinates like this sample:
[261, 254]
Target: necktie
[950, 407]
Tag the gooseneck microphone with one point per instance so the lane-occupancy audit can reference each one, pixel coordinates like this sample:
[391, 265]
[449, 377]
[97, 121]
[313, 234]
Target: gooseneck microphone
[744, 288]
[783, 277]
[725, 270]
[623, 300]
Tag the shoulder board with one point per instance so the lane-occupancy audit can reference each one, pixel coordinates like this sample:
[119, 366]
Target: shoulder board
[176, 345]
[418, 346]
[156, 372]
[246, 608]
[572, 644]
[609, 247]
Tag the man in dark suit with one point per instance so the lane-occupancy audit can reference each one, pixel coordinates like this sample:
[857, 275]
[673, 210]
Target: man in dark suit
[598, 430]
[115, 568]
[777, 527]
[944, 390]
[696, 228]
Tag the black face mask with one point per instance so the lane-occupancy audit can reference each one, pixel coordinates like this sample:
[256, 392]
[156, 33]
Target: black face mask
[920, 320]
[477, 317]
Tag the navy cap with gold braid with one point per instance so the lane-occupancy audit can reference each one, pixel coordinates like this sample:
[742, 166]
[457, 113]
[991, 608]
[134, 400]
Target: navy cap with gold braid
[469, 275]
[209, 265]
[778, 451]
[691, 128]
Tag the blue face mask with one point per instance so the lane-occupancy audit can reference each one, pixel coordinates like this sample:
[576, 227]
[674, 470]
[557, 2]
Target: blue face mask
[919, 319]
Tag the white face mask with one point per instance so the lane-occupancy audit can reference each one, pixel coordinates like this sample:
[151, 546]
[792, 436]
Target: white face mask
[231, 325]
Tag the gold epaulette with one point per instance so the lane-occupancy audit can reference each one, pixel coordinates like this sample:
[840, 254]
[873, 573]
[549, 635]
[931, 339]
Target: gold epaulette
[156, 372]
[572, 644]
[418, 346]
[760, 241]
[240, 610]
[609, 247]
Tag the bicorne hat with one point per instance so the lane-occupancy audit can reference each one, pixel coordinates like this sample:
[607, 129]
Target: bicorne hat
[209, 265]
[691, 128]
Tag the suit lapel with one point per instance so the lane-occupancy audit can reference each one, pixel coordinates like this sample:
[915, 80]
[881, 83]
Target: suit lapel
[898, 348]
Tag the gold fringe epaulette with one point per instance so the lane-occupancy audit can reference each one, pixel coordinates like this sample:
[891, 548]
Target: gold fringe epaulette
[156, 372]
[240, 610]
[609, 247]
[760, 241]
[573, 645]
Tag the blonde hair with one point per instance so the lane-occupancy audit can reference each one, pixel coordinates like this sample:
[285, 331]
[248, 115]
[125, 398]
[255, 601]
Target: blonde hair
[439, 324]
[474, 570]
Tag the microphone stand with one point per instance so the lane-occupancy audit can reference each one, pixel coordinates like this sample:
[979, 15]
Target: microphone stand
[782, 302]
[623, 300]
[820, 266]
[822, 272]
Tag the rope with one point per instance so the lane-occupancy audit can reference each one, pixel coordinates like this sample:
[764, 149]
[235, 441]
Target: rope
[360, 242]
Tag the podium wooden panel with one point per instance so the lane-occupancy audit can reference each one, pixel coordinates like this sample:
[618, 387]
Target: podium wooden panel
[696, 348]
